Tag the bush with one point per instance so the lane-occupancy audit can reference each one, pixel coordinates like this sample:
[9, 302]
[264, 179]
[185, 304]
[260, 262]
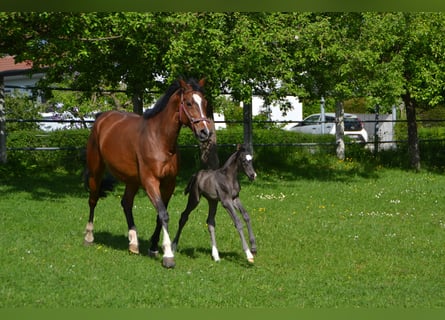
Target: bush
[20, 106]
[70, 158]
[275, 150]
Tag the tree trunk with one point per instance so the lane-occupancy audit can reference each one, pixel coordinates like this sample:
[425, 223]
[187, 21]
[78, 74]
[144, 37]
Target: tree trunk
[413, 139]
[138, 105]
[2, 122]
[340, 130]
[247, 116]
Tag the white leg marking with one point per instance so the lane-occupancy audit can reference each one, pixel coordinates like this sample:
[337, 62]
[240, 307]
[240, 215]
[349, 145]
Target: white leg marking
[215, 254]
[133, 237]
[166, 244]
[249, 256]
[89, 232]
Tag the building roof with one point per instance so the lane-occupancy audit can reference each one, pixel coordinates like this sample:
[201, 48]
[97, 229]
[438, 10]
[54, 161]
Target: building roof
[9, 67]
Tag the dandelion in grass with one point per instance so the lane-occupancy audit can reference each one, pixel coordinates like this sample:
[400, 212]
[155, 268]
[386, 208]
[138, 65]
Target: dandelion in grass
[279, 197]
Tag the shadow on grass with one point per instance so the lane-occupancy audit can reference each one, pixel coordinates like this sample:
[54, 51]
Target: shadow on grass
[120, 242]
[195, 253]
[44, 185]
[274, 166]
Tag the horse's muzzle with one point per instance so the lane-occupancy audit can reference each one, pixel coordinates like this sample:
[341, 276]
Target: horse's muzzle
[204, 134]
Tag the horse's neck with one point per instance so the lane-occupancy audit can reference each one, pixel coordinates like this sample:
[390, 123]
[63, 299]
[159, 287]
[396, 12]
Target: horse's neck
[165, 125]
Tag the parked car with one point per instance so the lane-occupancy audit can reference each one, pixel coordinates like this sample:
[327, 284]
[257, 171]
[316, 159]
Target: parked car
[313, 124]
[63, 120]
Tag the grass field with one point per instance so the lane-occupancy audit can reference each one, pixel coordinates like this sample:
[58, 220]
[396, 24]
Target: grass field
[344, 241]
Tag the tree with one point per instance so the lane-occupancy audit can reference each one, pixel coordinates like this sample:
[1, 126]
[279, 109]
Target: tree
[386, 57]
[408, 64]
[237, 52]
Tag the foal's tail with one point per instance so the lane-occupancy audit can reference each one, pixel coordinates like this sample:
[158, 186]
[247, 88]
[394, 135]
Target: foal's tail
[192, 181]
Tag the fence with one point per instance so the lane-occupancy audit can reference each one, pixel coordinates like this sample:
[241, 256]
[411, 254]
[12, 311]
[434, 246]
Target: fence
[381, 131]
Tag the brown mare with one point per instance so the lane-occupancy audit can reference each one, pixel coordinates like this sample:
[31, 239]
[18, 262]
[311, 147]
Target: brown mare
[141, 151]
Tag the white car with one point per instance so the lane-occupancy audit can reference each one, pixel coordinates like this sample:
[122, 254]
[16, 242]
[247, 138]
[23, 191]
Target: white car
[313, 124]
[64, 120]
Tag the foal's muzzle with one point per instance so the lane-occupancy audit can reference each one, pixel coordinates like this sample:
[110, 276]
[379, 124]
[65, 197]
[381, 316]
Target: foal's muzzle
[252, 176]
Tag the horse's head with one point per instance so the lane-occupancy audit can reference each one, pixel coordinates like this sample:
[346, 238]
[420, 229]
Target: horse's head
[193, 110]
[245, 161]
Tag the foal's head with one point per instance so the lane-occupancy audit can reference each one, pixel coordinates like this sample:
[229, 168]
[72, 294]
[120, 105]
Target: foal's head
[193, 109]
[245, 162]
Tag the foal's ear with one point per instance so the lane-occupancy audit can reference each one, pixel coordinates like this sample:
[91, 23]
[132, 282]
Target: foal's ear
[202, 82]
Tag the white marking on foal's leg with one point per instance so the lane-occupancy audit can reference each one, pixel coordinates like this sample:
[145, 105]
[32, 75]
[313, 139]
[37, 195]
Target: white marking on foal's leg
[134, 243]
[215, 254]
[249, 256]
[89, 238]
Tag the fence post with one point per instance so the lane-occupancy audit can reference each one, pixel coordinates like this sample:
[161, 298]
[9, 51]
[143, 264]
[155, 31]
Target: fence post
[376, 129]
[340, 130]
[2, 121]
[247, 119]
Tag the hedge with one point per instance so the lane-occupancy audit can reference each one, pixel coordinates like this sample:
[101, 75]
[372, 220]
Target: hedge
[274, 149]
[73, 142]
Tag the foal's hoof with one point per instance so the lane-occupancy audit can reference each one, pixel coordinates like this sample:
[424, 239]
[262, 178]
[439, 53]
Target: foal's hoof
[250, 260]
[168, 262]
[153, 253]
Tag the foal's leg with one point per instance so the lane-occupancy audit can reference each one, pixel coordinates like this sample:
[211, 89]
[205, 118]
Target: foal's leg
[229, 206]
[192, 203]
[127, 205]
[239, 206]
[211, 224]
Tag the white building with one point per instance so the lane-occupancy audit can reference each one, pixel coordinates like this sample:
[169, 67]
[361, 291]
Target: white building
[18, 76]
[275, 114]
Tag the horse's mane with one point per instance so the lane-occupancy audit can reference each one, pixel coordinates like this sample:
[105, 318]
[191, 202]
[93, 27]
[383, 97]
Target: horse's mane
[162, 102]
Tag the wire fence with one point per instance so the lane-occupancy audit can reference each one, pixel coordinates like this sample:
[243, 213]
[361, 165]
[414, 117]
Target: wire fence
[382, 139]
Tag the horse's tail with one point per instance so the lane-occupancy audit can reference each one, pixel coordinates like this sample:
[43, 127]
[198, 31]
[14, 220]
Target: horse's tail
[106, 185]
[190, 184]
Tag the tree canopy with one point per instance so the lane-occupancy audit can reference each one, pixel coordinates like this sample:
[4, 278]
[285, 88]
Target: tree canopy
[388, 58]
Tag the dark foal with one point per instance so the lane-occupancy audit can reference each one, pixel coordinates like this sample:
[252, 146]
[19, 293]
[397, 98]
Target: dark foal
[221, 185]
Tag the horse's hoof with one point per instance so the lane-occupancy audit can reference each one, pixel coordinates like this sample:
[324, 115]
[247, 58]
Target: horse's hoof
[250, 260]
[133, 248]
[87, 243]
[168, 262]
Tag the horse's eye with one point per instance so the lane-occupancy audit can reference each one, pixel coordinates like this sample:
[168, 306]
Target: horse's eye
[189, 104]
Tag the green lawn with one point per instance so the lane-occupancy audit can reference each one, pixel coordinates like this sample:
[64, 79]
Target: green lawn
[374, 240]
